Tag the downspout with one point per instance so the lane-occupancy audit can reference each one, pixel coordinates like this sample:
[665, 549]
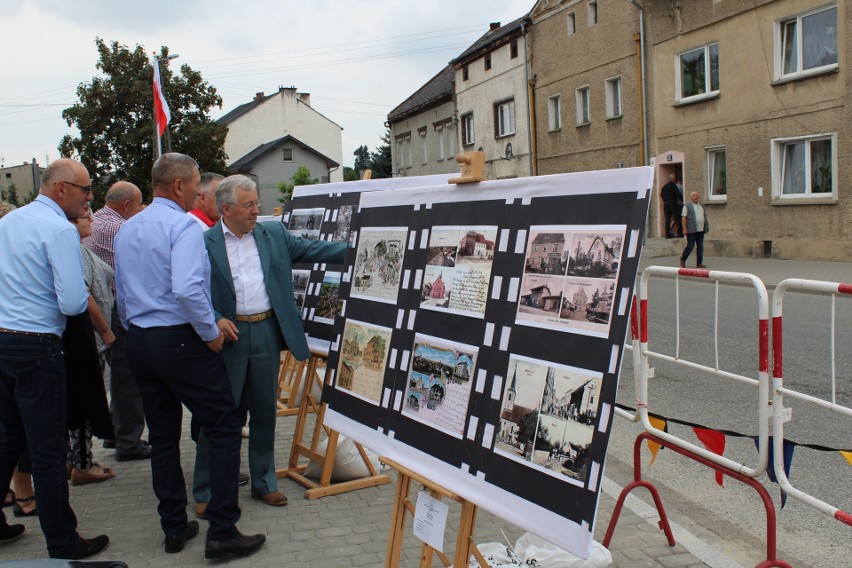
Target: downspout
[643, 94]
[531, 132]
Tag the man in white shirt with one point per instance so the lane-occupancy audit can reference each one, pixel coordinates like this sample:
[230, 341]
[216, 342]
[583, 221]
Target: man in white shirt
[695, 225]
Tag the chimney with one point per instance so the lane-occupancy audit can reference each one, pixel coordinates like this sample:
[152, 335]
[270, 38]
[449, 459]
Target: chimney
[258, 96]
[305, 98]
[493, 26]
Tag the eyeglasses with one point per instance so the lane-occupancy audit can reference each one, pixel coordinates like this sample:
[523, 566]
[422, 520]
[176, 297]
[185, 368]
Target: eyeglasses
[85, 188]
[247, 206]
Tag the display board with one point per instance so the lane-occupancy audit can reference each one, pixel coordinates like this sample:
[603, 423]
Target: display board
[326, 212]
[481, 335]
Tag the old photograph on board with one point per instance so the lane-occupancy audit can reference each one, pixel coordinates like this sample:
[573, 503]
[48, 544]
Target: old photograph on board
[363, 360]
[306, 223]
[378, 263]
[570, 272]
[343, 230]
[439, 381]
[300, 286]
[458, 269]
[548, 417]
[328, 300]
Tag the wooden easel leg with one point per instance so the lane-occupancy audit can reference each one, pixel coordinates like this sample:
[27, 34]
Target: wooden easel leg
[397, 528]
[467, 520]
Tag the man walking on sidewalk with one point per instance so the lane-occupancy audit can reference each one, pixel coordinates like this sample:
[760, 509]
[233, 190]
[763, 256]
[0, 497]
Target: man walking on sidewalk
[695, 225]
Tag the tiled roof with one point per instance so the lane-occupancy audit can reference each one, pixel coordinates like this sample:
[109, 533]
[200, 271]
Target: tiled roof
[437, 90]
[244, 163]
[490, 38]
[243, 109]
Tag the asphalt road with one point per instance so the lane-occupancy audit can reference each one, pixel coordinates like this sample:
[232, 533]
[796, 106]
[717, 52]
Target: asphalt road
[732, 518]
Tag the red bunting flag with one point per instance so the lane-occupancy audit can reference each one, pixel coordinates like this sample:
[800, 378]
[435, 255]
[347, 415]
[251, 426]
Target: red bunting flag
[713, 441]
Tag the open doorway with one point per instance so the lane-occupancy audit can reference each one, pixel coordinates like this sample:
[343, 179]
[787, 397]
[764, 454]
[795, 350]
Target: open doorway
[667, 164]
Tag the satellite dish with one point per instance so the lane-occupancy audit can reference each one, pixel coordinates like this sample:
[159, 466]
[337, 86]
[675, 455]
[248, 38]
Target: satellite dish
[508, 151]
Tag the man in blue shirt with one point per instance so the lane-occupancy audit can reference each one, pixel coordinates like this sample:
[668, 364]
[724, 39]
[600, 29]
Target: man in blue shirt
[41, 282]
[162, 278]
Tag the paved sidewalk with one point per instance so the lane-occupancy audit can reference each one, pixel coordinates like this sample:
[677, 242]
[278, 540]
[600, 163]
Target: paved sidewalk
[350, 529]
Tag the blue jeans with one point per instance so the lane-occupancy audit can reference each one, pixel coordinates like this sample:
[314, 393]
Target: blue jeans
[694, 240]
[33, 411]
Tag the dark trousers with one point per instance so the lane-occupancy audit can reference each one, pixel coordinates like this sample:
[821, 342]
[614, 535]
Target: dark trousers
[173, 366]
[33, 408]
[694, 240]
[673, 215]
[128, 418]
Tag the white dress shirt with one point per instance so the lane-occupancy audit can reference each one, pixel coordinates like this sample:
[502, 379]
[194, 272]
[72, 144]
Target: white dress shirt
[247, 273]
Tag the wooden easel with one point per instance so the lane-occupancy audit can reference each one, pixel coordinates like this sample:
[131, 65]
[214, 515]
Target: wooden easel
[402, 505]
[295, 470]
[289, 380]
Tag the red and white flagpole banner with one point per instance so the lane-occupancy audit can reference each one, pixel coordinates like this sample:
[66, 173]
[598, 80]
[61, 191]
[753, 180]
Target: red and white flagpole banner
[162, 116]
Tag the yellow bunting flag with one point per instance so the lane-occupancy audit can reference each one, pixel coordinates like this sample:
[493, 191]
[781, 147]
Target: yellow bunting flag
[659, 424]
[848, 456]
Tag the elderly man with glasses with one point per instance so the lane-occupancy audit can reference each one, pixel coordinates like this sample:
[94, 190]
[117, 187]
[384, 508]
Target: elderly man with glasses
[41, 284]
[252, 293]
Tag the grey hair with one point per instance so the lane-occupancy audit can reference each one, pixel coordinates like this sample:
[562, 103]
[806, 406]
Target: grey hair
[207, 179]
[172, 166]
[6, 208]
[62, 168]
[228, 189]
[121, 191]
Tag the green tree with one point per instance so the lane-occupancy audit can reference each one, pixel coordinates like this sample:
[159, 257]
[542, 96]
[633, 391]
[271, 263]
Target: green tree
[362, 159]
[12, 195]
[114, 115]
[380, 160]
[301, 177]
[349, 174]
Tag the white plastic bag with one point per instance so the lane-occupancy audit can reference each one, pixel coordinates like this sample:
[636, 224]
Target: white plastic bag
[531, 550]
[348, 462]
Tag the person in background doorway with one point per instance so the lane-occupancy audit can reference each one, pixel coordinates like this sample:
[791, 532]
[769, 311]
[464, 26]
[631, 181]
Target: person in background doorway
[695, 226]
[672, 205]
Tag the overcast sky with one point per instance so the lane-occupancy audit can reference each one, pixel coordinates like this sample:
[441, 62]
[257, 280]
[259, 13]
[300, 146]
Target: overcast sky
[358, 59]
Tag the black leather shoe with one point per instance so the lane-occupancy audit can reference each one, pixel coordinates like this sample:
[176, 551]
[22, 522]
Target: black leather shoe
[175, 543]
[83, 548]
[243, 478]
[143, 453]
[239, 545]
[109, 444]
[11, 533]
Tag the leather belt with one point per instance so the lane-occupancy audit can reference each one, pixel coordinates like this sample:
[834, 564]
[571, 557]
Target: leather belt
[256, 317]
[52, 336]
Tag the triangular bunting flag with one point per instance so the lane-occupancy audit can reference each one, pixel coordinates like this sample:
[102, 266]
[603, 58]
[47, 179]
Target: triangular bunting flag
[788, 459]
[713, 441]
[847, 455]
[659, 424]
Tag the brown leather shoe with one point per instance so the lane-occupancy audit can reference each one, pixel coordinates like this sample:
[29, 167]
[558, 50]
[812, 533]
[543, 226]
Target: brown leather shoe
[201, 510]
[94, 474]
[700, 266]
[683, 264]
[274, 499]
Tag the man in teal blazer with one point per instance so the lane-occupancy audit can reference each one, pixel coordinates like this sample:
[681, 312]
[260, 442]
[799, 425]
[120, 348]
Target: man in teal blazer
[252, 292]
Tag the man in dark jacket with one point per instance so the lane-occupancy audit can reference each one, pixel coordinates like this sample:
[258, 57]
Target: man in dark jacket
[672, 203]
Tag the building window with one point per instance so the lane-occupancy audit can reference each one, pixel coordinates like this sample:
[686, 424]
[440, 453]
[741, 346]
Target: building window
[805, 167]
[717, 174]
[449, 132]
[583, 115]
[513, 49]
[571, 24]
[698, 73]
[554, 113]
[487, 61]
[464, 73]
[808, 42]
[593, 13]
[287, 154]
[504, 118]
[439, 130]
[403, 150]
[467, 129]
[613, 97]
[424, 148]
